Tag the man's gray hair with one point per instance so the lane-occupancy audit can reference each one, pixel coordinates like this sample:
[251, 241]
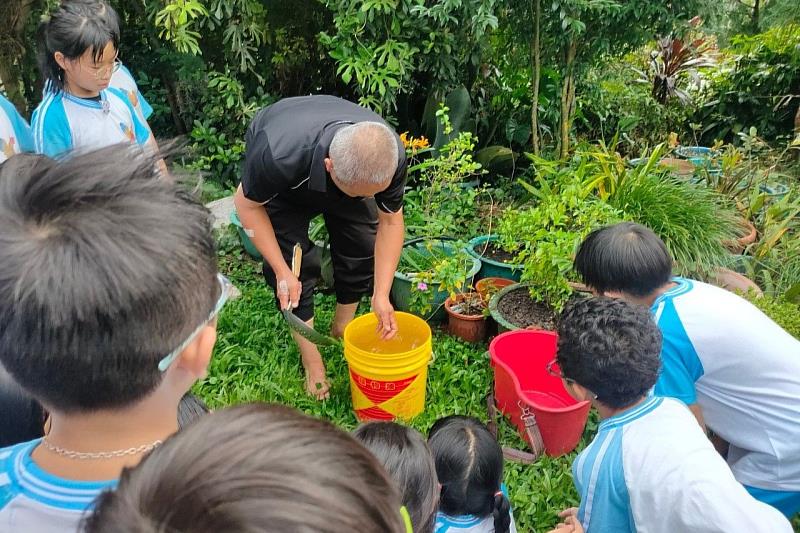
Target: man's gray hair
[364, 153]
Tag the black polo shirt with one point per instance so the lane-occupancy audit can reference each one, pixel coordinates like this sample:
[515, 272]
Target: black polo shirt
[287, 144]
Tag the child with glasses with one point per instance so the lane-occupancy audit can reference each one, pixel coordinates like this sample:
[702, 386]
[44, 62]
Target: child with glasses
[109, 293]
[255, 468]
[83, 108]
[650, 468]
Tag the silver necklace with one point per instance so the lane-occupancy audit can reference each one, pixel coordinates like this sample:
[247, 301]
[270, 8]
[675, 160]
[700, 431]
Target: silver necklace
[136, 450]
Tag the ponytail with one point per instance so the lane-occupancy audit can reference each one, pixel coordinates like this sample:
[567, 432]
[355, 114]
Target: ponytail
[501, 512]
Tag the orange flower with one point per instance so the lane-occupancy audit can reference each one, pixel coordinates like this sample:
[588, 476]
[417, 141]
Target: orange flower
[414, 143]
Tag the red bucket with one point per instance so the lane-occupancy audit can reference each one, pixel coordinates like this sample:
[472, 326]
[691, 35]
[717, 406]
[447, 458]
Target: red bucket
[519, 359]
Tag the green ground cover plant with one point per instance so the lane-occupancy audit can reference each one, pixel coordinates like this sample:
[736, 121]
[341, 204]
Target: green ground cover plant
[255, 360]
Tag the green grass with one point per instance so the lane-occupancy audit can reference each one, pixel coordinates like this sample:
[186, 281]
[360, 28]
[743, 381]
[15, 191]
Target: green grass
[255, 360]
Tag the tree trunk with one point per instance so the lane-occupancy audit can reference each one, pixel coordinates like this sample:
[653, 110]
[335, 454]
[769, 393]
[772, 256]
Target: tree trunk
[756, 15]
[536, 6]
[567, 97]
[12, 48]
[797, 130]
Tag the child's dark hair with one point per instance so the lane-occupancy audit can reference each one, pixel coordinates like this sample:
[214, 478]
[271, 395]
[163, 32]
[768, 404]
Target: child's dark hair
[610, 347]
[105, 269]
[625, 257]
[405, 455]
[469, 464]
[21, 417]
[254, 467]
[73, 28]
[190, 409]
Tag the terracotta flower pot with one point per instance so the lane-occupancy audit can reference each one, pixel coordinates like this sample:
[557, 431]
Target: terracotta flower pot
[471, 328]
[486, 287]
[735, 282]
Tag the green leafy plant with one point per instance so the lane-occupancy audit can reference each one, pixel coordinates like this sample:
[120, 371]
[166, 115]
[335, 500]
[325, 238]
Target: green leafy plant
[694, 221]
[546, 236]
[785, 314]
[442, 205]
[434, 266]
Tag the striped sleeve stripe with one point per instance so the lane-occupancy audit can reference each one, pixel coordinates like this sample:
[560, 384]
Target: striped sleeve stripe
[608, 436]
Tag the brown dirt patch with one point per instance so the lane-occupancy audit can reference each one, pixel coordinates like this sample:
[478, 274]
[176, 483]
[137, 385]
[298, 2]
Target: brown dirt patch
[494, 252]
[518, 308]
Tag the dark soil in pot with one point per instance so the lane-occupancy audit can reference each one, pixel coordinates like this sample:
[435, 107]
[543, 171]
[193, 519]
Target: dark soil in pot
[518, 308]
[494, 252]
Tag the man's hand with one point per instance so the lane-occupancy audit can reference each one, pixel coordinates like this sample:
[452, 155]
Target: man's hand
[288, 289]
[571, 524]
[387, 325]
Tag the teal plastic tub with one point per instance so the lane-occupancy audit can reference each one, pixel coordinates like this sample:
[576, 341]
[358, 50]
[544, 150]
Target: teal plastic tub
[248, 245]
[489, 267]
[401, 286]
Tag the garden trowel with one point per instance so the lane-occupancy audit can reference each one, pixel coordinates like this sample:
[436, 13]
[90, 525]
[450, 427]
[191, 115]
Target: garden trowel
[294, 321]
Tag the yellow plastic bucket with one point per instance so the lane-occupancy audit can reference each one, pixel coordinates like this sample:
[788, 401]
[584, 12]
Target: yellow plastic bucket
[388, 378]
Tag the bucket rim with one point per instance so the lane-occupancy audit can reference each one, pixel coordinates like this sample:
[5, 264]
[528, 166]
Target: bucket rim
[520, 396]
[348, 331]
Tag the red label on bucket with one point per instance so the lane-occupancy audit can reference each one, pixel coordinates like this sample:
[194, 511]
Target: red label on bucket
[374, 413]
[380, 391]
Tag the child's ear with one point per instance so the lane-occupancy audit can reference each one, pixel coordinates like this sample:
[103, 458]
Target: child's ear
[60, 59]
[579, 392]
[197, 356]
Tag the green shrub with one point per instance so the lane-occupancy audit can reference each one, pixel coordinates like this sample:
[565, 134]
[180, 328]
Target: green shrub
[785, 314]
[545, 237]
[755, 90]
[692, 220]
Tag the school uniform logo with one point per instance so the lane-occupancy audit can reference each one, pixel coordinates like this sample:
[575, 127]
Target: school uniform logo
[134, 98]
[127, 131]
[7, 147]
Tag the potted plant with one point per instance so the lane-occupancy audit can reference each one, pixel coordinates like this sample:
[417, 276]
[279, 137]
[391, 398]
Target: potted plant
[496, 260]
[547, 236]
[488, 287]
[466, 315]
[430, 270]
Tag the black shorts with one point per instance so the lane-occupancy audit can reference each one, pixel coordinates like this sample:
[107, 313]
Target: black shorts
[352, 224]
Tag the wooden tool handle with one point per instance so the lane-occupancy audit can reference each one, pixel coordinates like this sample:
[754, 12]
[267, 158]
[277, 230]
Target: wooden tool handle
[297, 259]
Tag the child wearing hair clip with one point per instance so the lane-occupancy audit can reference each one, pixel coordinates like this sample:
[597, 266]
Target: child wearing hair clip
[469, 464]
[83, 108]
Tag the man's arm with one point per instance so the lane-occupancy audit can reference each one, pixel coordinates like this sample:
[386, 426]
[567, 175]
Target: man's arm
[388, 247]
[259, 228]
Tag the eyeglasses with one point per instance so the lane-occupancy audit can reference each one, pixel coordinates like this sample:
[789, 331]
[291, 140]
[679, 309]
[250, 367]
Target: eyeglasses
[224, 294]
[102, 71]
[556, 372]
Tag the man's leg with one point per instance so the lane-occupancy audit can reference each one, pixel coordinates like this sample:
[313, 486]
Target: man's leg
[343, 315]
[317, 384]
[352, 226]
[290, 222]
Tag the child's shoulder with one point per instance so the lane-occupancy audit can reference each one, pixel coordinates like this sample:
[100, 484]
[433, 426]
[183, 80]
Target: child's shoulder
[9, 456]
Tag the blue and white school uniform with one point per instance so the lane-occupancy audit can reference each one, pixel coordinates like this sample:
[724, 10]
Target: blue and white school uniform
[15, 134]
[470, 523]
[743, 370]
[651, 469]
[123, 79]
[33, 501]
[63, 123]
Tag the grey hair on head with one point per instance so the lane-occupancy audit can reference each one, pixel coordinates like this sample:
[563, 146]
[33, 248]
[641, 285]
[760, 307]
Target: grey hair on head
[364, 153]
